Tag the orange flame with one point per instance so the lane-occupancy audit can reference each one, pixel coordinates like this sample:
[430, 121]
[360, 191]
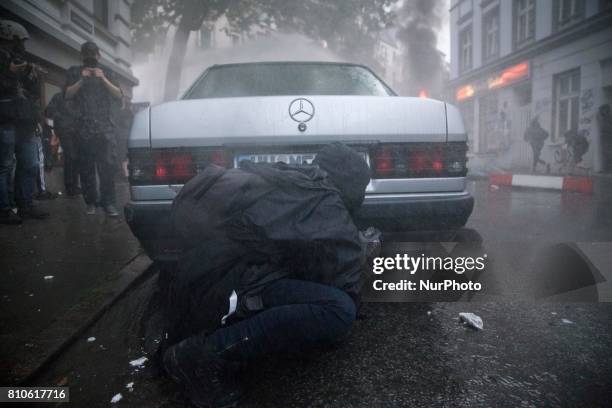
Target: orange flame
[510, 75]
[465, 92]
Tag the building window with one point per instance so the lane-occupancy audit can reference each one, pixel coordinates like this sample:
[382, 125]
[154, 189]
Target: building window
[490, 40]
[101, 11]
[465, 9]
[567, 100]
[465, 49]
[567, 12]
[205, 38]
[524, 21]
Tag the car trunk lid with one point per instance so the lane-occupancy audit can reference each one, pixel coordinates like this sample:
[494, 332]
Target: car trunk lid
[267, 120]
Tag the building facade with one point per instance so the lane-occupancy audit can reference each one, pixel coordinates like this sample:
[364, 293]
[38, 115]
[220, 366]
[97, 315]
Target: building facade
[57, 29]
[515, 60]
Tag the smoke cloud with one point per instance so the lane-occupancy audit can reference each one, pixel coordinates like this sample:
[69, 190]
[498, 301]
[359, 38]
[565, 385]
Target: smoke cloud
[419, 22]
[273, 47]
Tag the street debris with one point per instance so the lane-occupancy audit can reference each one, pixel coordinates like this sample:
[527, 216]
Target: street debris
[49, 277]
[139, 362]
[471, 320]
[494, 187]
[130, 386]
[91, 339]
[566, 321]
[116, 398]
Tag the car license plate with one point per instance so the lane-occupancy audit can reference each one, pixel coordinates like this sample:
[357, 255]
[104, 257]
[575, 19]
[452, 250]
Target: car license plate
[289, 158]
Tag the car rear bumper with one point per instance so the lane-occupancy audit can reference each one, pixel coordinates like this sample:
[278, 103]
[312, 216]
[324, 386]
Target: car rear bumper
[415, 211]
[150, 220]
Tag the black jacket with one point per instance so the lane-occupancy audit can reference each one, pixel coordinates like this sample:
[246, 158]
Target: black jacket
[19, 95]
[243, 228]
[94, 104]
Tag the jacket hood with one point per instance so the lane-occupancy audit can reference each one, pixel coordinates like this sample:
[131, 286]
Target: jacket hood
[347, 170]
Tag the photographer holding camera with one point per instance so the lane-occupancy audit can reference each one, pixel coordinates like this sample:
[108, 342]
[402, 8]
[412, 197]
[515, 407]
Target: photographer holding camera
[19, 117]
[94, 91]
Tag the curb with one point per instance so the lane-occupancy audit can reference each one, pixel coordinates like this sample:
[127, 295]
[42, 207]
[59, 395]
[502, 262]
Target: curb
[133, 272]
[564, 183]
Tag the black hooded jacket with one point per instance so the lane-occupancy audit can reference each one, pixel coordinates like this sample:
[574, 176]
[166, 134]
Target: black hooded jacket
[244, 228]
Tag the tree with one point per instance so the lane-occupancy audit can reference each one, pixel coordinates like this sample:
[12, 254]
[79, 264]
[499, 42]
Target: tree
[348, 26]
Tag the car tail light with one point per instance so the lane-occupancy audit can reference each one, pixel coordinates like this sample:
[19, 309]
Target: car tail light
[219, 157]
[418, 161]
[414, 160]
[171, 166]
[383, 160]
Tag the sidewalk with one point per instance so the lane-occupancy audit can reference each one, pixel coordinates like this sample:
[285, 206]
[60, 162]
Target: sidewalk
[55, 274]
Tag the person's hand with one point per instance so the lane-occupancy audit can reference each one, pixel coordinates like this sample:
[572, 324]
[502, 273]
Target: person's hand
[86, 72]
[18, 68]
[98, 73]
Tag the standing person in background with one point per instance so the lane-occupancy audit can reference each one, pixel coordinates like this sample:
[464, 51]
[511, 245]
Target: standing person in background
[65, 121]
[604, 121]
[94, 91]
[505, 127]
[578, 144]
[535, 135]
[19, 116]
[125, 117]
[41, 185]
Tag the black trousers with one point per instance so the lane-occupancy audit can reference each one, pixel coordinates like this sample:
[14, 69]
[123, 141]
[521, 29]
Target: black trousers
[68, 140]
[537, 151]
[97, 152]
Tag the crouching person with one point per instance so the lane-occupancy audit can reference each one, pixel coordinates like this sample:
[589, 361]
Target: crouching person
[272, 265]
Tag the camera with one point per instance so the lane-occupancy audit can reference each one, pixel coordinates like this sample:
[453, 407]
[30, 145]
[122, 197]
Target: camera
[90, 62]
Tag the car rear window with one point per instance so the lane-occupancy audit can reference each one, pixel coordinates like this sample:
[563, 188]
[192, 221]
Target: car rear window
[287, 79]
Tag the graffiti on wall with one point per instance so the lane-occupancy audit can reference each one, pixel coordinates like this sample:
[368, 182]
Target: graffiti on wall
[587, 101]
[587, 111]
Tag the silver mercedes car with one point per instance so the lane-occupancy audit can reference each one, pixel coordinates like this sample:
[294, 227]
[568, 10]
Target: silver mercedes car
[285, 111]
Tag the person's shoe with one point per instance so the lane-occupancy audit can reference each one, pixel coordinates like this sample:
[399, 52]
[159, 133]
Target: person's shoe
[203, 373]
[32, 213]
[91, 209]
[111, 211]
[45, 195]
[8, 217]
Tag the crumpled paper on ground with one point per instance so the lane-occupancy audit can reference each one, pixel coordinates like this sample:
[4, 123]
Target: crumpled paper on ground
[471, 320]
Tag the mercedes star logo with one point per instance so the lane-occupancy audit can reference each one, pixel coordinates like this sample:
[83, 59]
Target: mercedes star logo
[301, 110]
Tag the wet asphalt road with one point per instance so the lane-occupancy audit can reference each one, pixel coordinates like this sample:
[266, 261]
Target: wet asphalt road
[529, 354]
[81, 255]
